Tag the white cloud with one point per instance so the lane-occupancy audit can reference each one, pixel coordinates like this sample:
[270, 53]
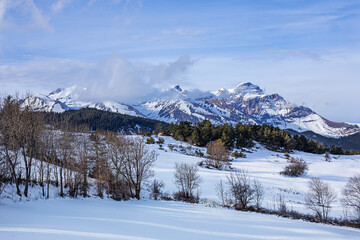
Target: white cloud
[123, 80]
[114, 78]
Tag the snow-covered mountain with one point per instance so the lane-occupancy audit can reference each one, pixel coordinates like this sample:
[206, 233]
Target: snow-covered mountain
[246, 103]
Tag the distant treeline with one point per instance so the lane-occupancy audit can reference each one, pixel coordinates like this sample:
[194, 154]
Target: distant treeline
[199, 134]
[244, 135]
[94, 119]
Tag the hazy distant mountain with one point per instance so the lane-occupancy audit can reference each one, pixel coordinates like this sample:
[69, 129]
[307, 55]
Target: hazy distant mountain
[245, 103]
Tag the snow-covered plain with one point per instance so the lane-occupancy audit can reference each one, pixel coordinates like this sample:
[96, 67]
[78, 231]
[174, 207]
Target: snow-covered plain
[146, 219]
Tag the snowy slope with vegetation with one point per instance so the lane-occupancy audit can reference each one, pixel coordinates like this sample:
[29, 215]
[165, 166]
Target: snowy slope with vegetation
[264, 165]
[96, 218]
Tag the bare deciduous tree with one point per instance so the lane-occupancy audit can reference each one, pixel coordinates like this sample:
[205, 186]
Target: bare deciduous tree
[30, 141]
[3, 173]
[258, 193]
[351, 195]
[220, 189]
[64, 150]
[187, 179]
[319, 198]
[218, 154]
[240, 188]
[11, 131]
[134, 164]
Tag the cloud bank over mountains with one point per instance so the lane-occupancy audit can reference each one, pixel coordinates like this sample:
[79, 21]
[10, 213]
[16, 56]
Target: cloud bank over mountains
[114, 78]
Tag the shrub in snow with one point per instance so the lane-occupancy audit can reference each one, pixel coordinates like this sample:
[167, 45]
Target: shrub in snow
[160, 140]
[155, 189]
[327, 156]
[150, 140]
[237, 154]
[296, 167]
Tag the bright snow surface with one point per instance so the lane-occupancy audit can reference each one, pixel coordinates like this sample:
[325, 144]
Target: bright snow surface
[140, 220]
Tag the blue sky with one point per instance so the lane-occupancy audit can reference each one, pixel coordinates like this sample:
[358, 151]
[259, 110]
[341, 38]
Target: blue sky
[307, 51]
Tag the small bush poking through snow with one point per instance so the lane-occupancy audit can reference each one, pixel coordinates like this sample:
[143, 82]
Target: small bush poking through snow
[296, 167]
[160, 140]
[150, 140]
[237, 154]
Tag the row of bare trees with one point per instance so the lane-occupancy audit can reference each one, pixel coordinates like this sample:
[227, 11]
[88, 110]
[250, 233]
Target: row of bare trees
[31, 153]
[321, 196]
[242, 193]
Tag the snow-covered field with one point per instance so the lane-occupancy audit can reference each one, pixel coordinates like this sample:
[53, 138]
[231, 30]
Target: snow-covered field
[265, 166]
[144, 220]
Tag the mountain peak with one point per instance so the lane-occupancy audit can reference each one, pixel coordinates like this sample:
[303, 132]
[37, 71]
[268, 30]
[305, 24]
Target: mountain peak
[246, 87]
[177, 87]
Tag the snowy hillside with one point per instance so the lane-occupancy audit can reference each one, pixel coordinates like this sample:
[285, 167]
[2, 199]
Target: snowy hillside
[265, 166]
[96, 218]
[245, 103]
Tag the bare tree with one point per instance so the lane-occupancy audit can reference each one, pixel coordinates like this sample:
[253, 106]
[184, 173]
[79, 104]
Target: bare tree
[220, 189]
[218, 154]
[136, 164]
[117, 145]
[30, 141]
[101, 169]
[319, 198]
[4, 170]
[187, 179]
[84, 164]
[258, 193]
[280, 204]
[351, 195]
[240, 188]
[11, 132]
[64, 151]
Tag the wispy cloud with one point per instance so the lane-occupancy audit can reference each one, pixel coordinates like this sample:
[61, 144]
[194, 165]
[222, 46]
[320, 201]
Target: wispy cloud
[28, 10]
[59, 5]
[183, 32]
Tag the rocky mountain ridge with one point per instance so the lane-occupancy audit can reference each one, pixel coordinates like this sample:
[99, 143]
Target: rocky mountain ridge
[246, 103]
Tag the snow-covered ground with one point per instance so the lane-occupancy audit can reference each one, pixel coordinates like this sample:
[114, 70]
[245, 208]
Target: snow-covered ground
[265, 166]
[145, 220]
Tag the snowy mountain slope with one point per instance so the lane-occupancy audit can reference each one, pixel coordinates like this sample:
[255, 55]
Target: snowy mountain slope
[246, 103]
[66, 99]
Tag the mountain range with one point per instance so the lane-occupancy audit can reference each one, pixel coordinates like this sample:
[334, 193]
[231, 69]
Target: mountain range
[245, 103]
